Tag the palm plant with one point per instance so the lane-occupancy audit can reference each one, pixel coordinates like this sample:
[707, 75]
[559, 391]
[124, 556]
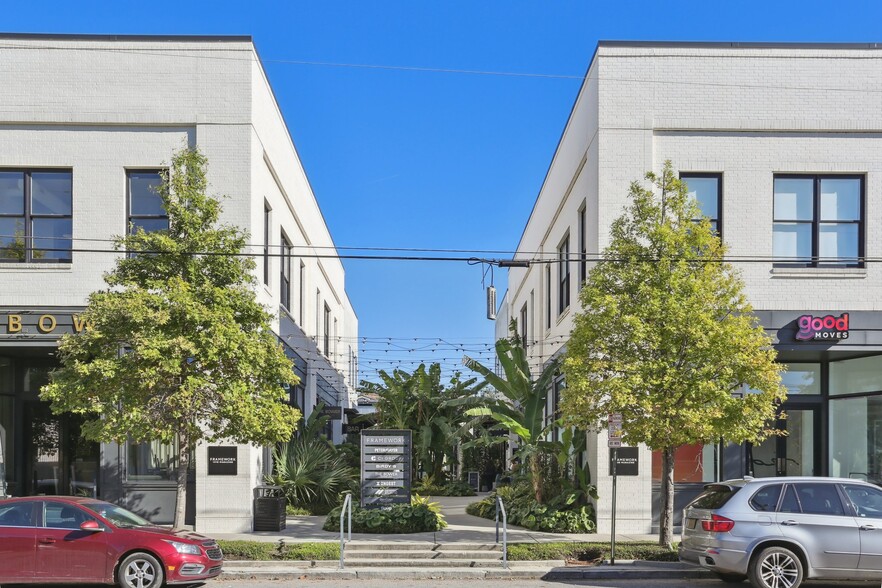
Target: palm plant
[309, 469]
[519, 408]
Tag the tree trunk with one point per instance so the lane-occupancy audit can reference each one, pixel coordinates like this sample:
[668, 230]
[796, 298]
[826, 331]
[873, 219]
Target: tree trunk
[536, 477]
[666, 518]
[183, 466]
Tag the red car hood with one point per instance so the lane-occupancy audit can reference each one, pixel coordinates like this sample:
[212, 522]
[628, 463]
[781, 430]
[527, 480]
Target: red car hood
[173, 533]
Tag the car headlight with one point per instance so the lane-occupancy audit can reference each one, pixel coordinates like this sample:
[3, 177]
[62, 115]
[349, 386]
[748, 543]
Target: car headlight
[185, 548]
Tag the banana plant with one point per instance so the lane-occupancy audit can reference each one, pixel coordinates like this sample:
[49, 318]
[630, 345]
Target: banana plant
[519, 406]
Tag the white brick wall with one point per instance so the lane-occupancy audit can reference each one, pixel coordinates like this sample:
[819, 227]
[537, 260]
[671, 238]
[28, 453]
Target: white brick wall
[101, 105]
[747, 112]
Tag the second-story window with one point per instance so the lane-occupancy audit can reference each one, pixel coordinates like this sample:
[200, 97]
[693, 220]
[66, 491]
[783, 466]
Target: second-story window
[36, 216]
[327, 331]
[523, 325]
[563, 292]
[583, 247]
[285, 274]
[146, 210]
[707, 190]
[548, 296]
[267, 218]
[819, 220]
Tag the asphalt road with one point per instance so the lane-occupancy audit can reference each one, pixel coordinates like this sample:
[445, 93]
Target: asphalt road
[709, 583]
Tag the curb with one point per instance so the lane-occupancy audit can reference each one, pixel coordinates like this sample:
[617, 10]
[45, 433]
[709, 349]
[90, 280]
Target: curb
[625, 570]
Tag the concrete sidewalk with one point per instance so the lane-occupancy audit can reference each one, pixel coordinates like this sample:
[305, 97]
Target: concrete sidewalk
[534, 570]
[461, 528]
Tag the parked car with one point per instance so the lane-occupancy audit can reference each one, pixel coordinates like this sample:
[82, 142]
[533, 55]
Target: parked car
[777, 532]
[64, 539]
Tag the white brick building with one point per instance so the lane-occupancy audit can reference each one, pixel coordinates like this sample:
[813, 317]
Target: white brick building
[782, 144]
[86, 122]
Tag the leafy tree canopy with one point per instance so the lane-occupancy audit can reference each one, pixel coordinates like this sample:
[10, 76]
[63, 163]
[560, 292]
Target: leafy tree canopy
[178, 344]
[666, 335]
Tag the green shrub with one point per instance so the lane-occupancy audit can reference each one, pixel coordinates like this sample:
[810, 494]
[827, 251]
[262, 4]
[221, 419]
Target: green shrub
[588, 552]
[454, 488]
[279, 550]
[311, 551]
[400, 518]
[296, 511]
[250, 550]
[523, 511]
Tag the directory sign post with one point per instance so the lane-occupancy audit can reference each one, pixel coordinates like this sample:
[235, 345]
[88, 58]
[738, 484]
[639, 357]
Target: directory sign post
[615, 441]
[385, 467]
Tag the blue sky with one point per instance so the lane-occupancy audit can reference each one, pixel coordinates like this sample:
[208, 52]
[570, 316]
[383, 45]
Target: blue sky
[436, 160]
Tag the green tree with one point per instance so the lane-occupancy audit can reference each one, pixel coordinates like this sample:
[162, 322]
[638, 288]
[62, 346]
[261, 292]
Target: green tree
[178, 344]
[666, 336]
[421, 402]
[520, 407]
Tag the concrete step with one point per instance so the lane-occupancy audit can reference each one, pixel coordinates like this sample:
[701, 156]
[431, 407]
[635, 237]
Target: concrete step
[421, 555]
[432, 563]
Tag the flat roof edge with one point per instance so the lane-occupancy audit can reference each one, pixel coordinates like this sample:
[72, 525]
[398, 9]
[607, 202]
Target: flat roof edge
[740, 44]
[107, 37]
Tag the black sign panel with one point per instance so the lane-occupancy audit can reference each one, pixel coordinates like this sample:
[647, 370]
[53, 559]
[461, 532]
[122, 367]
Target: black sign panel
[334, 412]
[354, 427]
[627, 461]
[223, 461]
[385, 467]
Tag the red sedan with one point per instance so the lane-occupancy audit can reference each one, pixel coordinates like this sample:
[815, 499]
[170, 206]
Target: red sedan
[63, 539]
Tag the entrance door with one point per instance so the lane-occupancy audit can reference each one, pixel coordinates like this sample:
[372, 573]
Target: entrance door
[59, 460]
[796, 454]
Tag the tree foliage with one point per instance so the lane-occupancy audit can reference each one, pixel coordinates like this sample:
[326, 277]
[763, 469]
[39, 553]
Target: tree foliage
[178, 346]
[519, 407]
[666, 336]
[420, 401]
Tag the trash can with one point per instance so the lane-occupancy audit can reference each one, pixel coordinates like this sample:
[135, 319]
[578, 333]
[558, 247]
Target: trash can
[269, 508]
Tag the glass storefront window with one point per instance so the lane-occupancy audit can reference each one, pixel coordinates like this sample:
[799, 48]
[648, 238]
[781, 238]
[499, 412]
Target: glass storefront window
[853, 376]
[856, 438]
[7, 454]
[802, 379]
[692, 463]
[152, 460]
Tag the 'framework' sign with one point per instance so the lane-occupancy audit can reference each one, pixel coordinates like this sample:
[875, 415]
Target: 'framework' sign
[385, 467]
[223, 461]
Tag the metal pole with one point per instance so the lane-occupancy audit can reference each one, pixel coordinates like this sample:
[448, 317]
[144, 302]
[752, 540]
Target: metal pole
[612, 554]
[497, 519]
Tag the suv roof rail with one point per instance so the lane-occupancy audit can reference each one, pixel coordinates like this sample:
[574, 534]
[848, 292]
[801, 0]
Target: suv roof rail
[748, 478]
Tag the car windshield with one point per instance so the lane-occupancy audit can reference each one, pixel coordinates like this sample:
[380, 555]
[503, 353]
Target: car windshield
[117, 515]
[714, 496]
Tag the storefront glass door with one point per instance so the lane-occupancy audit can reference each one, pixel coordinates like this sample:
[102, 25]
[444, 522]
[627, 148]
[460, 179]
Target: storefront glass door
[795, 454]
[59, 460]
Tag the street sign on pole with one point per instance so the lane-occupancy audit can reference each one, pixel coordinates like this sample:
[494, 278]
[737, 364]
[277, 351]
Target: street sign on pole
[615, 441]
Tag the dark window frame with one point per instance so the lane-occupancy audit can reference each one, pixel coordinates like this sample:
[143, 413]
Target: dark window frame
[28, 216]
[684, 176]
[286, 251]
[583, 244]
[816, 221]
[563, 282]
[129, 215]
[549, 296]
[327, 327]
[267, 218]
[524, 329]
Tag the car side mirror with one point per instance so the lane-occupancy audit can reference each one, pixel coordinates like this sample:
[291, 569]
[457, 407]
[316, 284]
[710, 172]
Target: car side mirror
[91, 526]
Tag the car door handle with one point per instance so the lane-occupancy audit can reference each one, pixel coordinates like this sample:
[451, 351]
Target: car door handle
[789, 523]
[867, 528]
[47, 540]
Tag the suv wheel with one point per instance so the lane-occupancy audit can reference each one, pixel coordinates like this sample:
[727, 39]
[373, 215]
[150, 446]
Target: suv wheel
[775, 567]
[140, 570]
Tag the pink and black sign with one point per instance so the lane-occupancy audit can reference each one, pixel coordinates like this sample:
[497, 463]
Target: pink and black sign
[822, 328]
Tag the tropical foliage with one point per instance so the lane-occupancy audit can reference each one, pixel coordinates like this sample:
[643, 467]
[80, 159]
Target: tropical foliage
[667, 338]
[419, 401]
[311, 472]
[179, 348]
[419, 516]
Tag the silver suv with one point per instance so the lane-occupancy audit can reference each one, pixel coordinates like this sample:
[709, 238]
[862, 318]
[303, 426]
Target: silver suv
[778, 532]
